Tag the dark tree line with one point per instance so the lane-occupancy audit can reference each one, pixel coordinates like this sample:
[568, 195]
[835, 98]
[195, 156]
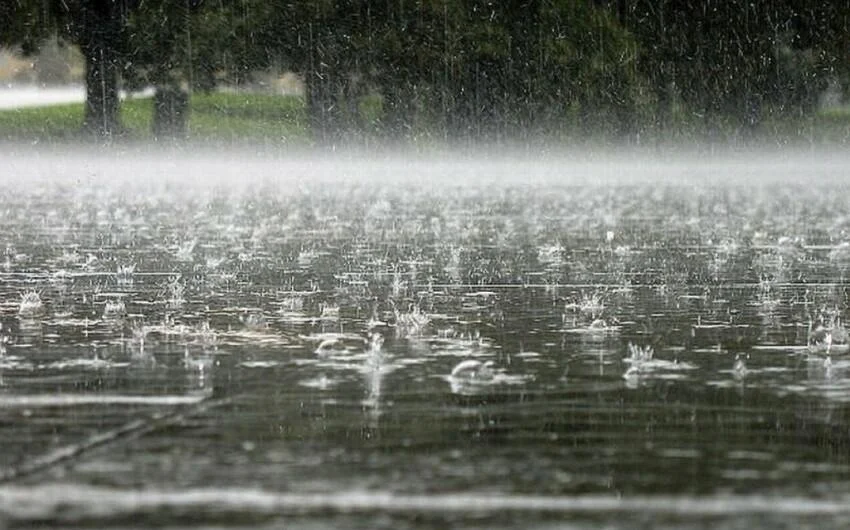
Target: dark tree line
[465, 69]
[462, 69]
[96, 26]
[738, 59]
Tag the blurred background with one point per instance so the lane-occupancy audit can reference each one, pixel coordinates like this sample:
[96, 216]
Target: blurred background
[439, 71]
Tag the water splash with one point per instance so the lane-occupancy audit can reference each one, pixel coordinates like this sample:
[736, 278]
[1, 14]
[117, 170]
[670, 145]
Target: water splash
[124, 274]
[30, 305]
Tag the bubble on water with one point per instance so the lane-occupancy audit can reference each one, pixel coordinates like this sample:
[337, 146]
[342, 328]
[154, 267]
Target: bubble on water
[473, 370]
[333, 344]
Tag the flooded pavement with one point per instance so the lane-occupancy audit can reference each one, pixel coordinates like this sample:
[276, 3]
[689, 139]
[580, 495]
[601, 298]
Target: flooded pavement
[320, 345]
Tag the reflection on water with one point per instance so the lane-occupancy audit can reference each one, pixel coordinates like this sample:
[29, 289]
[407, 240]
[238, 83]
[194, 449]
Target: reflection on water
[618, 354]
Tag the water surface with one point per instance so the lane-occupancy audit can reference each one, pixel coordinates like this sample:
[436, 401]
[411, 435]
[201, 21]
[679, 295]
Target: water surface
[180, 346]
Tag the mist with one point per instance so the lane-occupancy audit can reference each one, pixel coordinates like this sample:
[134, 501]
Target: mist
[236, 168]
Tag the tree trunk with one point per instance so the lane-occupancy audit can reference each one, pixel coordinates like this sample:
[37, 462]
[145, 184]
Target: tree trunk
[101, 30]
[101, 115]
[321, 108]
[170, 113]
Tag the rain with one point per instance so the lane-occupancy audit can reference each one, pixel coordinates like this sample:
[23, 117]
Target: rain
[416, 264]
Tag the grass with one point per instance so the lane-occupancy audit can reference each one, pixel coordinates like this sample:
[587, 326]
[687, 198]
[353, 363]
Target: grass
[237, 117]
[231, 117]
[56, 122]
[215, 117]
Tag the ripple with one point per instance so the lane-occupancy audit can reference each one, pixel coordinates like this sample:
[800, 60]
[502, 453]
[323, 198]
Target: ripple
[260, 364]
[471, 387]
[72, 400]
[94, 364]
[321, 382]
[70, 503]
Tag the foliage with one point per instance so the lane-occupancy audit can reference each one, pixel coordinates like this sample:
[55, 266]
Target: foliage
[468, 69]
[26, 23]
[739, 58]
